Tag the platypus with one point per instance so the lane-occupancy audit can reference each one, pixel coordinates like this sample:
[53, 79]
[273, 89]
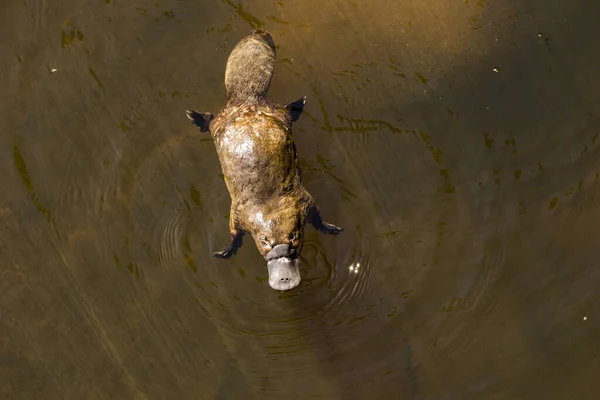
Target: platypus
[253, 139]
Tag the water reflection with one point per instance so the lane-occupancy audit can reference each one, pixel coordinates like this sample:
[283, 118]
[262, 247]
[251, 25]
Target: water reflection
[455, 141]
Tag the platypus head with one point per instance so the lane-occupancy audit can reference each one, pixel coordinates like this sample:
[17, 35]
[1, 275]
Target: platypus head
[279, 238]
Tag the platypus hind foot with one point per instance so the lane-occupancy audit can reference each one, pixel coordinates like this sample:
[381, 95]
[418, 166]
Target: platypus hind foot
[201, 120]
[296, 108]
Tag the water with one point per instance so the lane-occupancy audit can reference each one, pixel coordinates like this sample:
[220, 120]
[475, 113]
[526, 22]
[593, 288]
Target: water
[456, 143]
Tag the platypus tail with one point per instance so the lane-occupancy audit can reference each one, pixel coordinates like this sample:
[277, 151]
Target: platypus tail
[250, 67]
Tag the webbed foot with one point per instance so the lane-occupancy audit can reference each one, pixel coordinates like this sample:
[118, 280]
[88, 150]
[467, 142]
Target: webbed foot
[231, 248]
[296, 108]
[225, 254]
[330, 229]
[317, 221]
[201, 120]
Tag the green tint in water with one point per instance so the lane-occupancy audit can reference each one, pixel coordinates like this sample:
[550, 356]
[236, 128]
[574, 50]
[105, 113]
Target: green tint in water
[96, 77]
[253, 21]
[405, 294]
[195, 196]
[68, 37]
[489, 141]
[453, 304]
[517, 174]
[498, 178]
[28, 184]
[511, 144]
[448, 188]
[421, 79]
[436, 152]
[279, 21]
[187, 254]
[361, 125]
[522, 207]
[389, 235]
[328, 169]
[133, 269]
[143, 12]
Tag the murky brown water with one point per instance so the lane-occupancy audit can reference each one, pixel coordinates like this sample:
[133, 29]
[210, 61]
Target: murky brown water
[455, 141]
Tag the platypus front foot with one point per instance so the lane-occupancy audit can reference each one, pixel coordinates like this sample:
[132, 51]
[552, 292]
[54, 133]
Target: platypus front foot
[329, 229]
[226, 253]
[231, 248]
[317, 221]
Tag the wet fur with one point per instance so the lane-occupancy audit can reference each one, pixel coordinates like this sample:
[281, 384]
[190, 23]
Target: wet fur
[257, 153]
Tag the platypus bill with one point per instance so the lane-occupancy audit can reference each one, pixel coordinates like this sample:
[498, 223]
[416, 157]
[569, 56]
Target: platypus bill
[258, 158]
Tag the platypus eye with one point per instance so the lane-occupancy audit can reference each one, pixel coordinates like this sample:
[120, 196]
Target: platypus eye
[263, 240]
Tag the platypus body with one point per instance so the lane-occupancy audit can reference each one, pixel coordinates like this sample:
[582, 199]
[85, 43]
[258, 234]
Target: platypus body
[258, 158]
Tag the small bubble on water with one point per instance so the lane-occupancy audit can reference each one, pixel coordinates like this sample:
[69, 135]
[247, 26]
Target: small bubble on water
[585, 318]
[495, 69]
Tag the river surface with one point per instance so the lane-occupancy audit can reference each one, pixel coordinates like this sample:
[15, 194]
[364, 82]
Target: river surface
[457, 142]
